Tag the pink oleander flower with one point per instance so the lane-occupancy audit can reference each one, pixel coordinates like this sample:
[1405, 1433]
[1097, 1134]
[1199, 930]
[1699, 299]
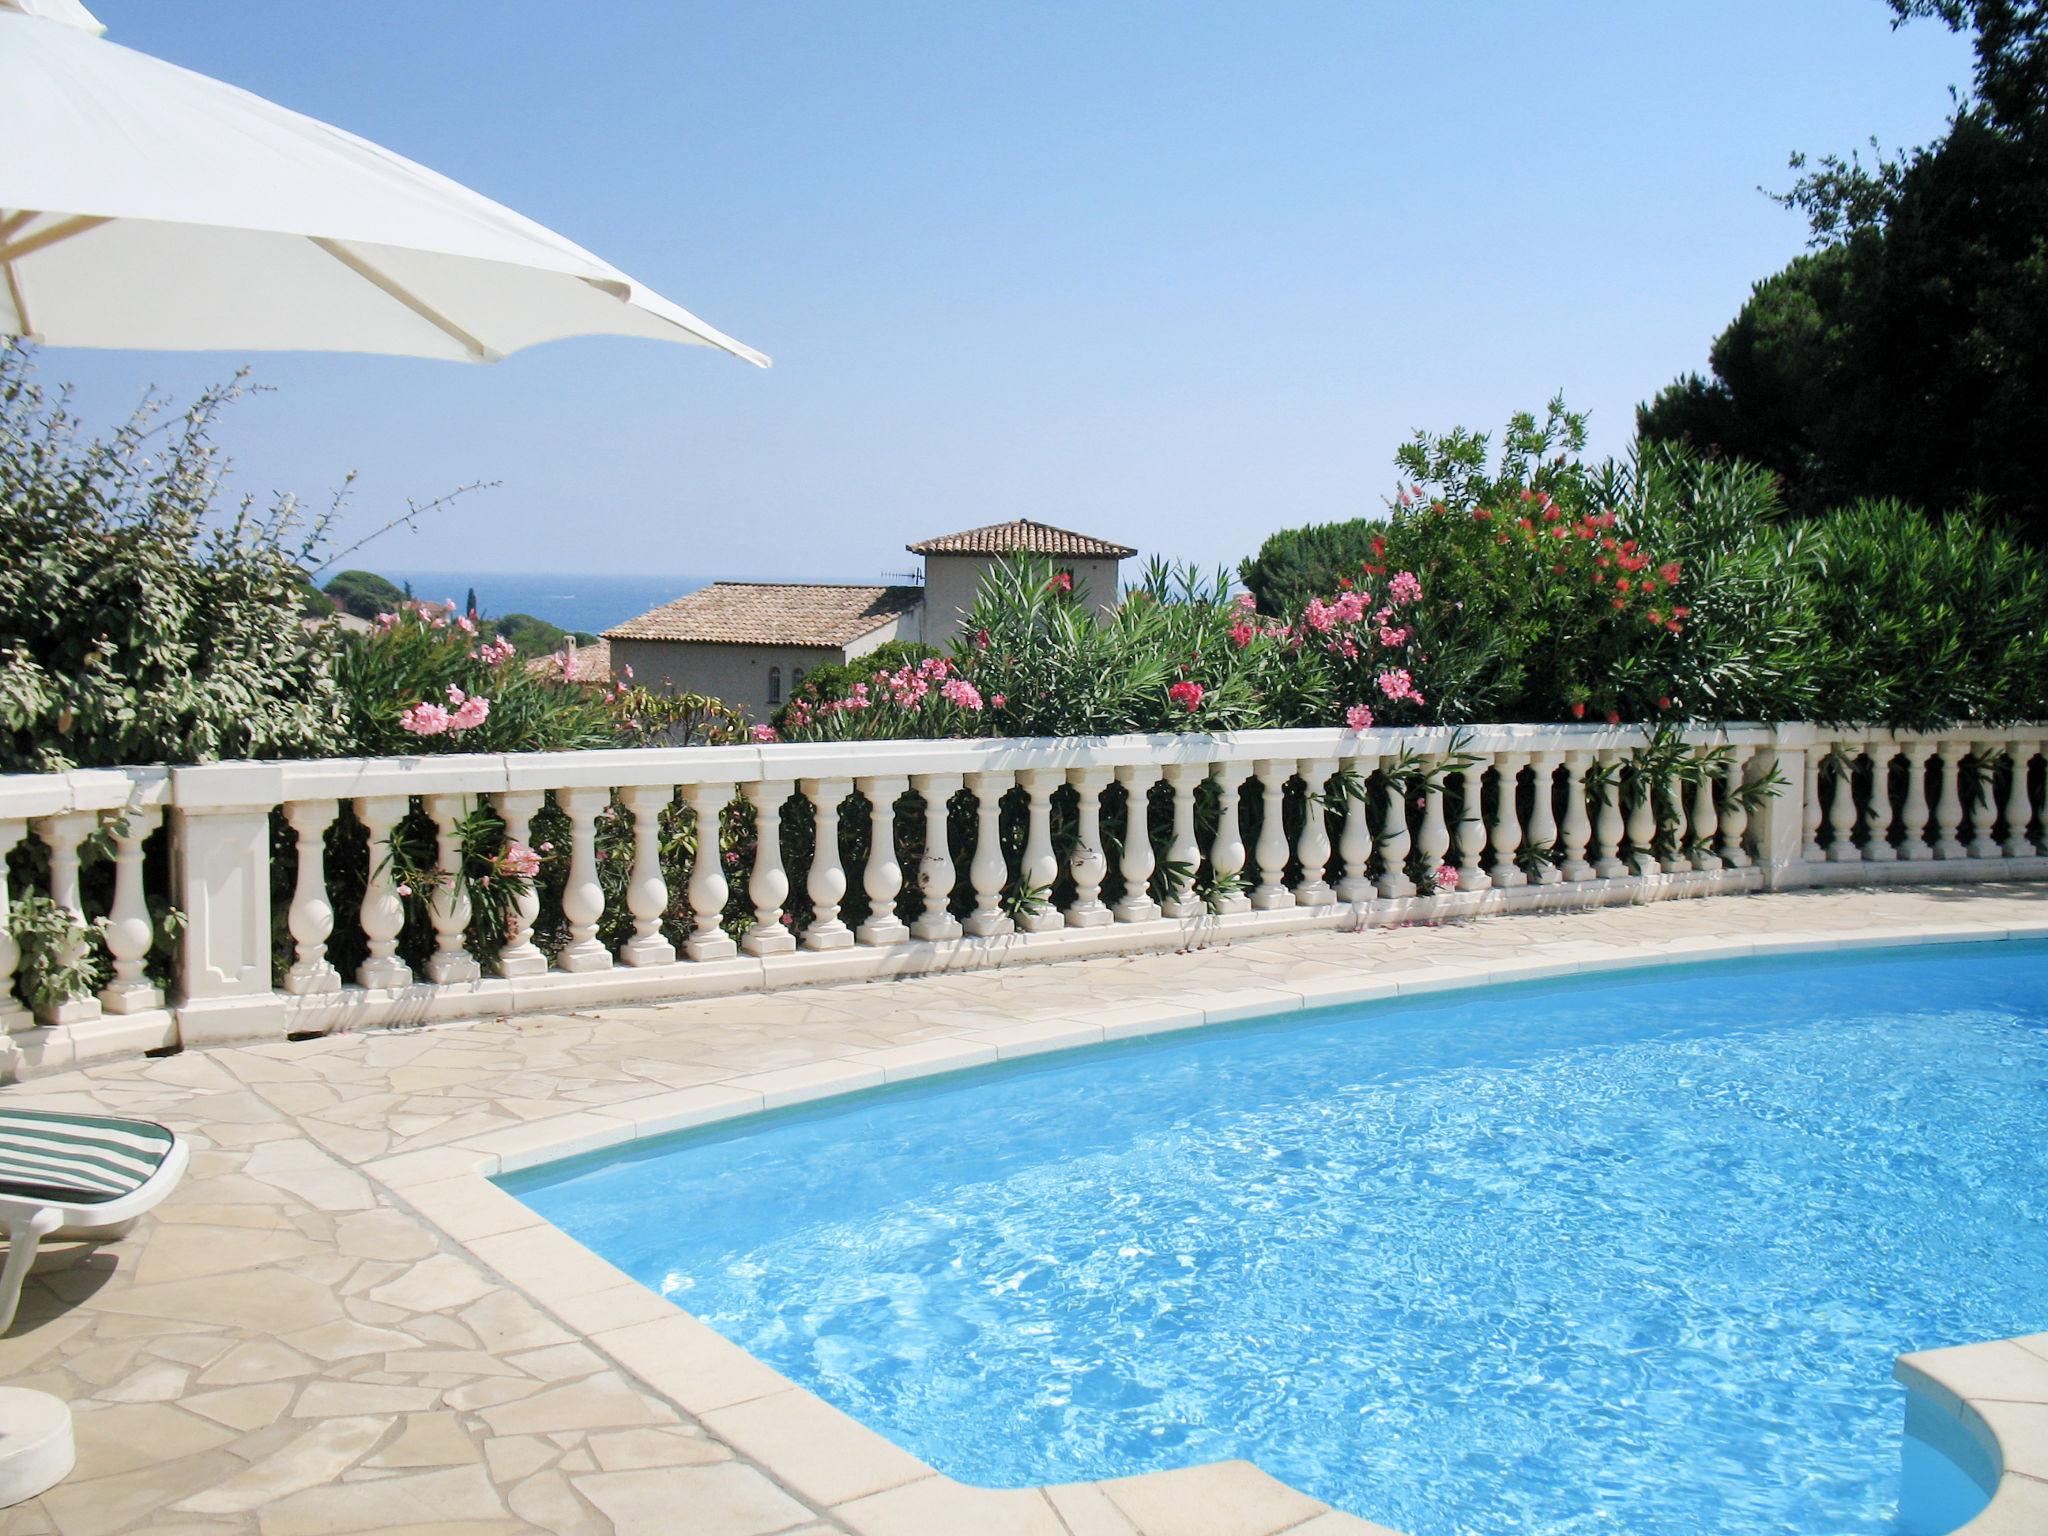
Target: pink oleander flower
[466, 624]
[1241, 634]
[1405, 588]
[520, 860]
[1187, 693]
[763, 732]
[626, 673]
[996, 702]
[1358, 718]
[1446, 878]
[957, 690]
[472, 713]
[386, 620]
[1396, 684]
[424, 719]
[1319, 616]
[1246, 603]
[1390, 637]
[1350, 607]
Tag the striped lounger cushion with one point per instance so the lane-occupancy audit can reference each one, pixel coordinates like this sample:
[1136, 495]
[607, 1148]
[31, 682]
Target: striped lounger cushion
[77, 1159]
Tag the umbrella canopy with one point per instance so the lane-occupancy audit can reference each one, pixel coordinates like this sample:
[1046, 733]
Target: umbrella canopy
[143, 205]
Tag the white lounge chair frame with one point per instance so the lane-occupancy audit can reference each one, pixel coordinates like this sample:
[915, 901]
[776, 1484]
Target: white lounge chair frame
[31, 1218]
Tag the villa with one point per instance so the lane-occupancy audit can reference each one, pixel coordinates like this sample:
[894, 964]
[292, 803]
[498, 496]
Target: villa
[750, 643]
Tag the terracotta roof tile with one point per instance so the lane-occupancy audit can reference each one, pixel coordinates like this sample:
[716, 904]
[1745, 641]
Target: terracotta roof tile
[1021, 536]
[772, 613]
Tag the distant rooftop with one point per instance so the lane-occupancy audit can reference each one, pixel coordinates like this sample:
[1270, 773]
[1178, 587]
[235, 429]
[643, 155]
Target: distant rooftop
[1021, 536]
[772, 613]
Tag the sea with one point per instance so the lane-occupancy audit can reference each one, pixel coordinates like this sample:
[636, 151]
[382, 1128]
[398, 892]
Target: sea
[592, 603]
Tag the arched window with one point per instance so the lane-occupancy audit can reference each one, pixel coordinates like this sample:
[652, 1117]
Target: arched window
[796, 678]
[775, 685]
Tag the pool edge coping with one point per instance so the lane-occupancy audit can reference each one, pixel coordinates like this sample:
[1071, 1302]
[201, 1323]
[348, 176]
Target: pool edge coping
[851, 1471]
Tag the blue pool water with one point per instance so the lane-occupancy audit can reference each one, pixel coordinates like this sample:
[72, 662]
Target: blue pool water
[1627, 1255]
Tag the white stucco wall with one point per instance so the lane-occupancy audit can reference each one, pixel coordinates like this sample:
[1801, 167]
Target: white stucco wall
[738, 674]
[952, 581]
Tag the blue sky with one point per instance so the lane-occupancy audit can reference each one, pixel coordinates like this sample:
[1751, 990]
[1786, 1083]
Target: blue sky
[1175, 274]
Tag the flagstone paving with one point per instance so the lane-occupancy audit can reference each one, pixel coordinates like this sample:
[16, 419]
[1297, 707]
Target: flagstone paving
[289, 1347]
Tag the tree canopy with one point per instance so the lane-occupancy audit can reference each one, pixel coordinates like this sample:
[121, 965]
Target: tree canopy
[1907, 353]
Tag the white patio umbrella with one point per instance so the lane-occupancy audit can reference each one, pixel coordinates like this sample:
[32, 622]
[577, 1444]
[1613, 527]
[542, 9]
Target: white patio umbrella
[145, 206]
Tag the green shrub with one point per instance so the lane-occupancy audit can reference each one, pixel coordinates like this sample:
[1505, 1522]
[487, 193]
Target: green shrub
[139, 622]
[366, 594]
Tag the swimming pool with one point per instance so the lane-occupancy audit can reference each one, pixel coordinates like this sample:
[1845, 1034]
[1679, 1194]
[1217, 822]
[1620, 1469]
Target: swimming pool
[1626, 1254]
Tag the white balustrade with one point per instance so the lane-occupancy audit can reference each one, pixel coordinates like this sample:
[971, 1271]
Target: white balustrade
[1312, 848]
[646, 885]
[520, 956]
[768, 882]
[382, 913]
[1956, 803]
[1226, 849]
[1271, 893]
[989, 870]
[1354, 842]
[311, 916]
[1470, 836]
[826, 884]
[883, 877]
[708, 887]
[14, 1017]
[1137, 862]
[1087, 864]
[935, 872]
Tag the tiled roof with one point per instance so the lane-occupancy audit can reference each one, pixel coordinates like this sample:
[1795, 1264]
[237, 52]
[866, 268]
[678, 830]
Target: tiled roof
[772, 613]
[590, 663]
[1021, 536]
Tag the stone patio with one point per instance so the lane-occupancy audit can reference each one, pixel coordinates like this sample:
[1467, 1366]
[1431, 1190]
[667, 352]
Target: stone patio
[324, 1331]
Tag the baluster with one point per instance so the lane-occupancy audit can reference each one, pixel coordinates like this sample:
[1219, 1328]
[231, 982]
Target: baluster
[448, 908]
[935, 872]
[1877, 826]
[1226, 851]
[311, 917]
[1913, 817]
[1184, 852]
[1810, 808]
[583, 895]
[2019, 803]
[1577, 831]
[1041, 865]
[988, 869]
[1471, 832]
[1608, 826]
[1841, 812]
[768, 882]
[521, 956]
[1706, 820]
[1138, 861]
[1505, 834]
[1948, 806]
[1312, 848]
[13, 1016]
[646, 888]
[1354, 841]
[1271, 893]
[883, 877]
[1642, 821]
[1543, 830]
[1087, 863]
[128, 930]
[1672, 789]
[827, 882]
[382, 914]
[1734, 816]
[1394, 840]
[708, 887]
[62, 835]
[1984, 803]
[1433, 838]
